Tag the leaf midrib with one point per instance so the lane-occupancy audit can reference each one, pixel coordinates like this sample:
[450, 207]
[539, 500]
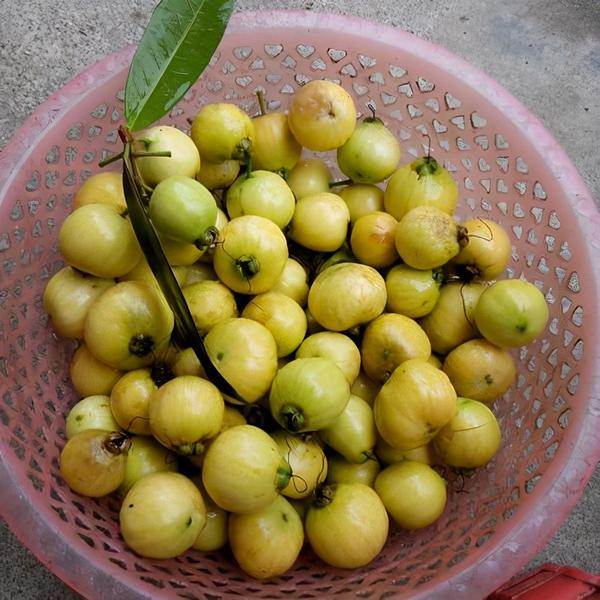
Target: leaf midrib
[167, 62]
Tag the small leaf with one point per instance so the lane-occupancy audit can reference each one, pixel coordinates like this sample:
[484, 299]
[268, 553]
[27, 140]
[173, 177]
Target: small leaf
[185, 331]
[176, 46]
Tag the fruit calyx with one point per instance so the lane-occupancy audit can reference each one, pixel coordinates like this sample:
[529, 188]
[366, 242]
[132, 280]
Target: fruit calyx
[323, 495]
[243, 151]
[259, 416]
[373, 119]
[247, 266]
[368, 455]
[462, 235]
[146, 141]
[292, 417]
[160, 372]
[283, 474]
[191, 449]
[141, 345]
[438, 276]
[467, 273]
[208, 239]
[426, 166]
[117, 443]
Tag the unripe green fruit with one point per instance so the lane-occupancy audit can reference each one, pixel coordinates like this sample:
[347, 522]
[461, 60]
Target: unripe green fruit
[183, 209]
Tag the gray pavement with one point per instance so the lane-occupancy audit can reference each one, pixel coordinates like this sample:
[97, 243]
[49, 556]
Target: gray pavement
[545, 52]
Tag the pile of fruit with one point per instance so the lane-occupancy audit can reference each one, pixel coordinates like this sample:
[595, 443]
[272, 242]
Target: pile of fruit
[362, 327]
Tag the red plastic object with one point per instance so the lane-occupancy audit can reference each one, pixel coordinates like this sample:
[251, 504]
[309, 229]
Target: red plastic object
[551, 582]
[508, 168]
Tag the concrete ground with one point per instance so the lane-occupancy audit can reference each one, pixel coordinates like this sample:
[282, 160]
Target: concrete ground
[545, 52]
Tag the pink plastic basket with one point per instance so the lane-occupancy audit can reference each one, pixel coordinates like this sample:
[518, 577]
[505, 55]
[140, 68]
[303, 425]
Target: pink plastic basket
[508, 168]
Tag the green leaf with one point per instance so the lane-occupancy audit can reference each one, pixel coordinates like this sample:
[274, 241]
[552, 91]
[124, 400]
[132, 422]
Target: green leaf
[185, 332]
[177, 44]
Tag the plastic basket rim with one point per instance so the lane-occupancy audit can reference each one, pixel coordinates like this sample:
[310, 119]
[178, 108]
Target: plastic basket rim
[78, 569]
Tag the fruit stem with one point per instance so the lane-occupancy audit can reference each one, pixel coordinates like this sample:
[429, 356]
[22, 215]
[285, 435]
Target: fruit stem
[127, 138]
[373, 118]
[262, 104]
[119, 156]
[208, 239]
[247, 266]
[110, 160]
[371, 107]
[341, 182]
[163, 153]
[428, 144]
[117, 443]
[283, 474]
[292, 417]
